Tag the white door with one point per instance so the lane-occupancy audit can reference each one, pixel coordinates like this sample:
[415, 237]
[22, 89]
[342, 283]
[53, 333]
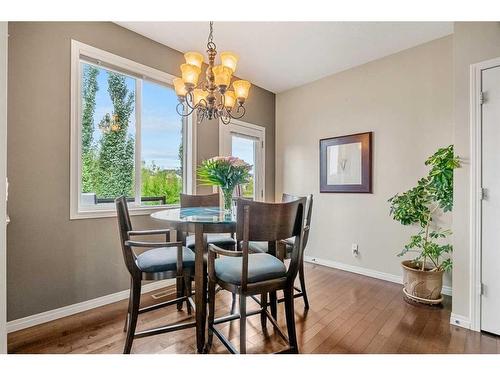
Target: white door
[247, 142]
[490, 249]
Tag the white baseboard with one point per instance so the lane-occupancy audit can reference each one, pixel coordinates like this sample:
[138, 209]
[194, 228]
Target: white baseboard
[365, 271]
[47, 316]
[460, 320]
[447, 290]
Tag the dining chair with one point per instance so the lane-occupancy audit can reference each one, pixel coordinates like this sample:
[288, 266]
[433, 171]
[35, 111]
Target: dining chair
[262, 247]
[248, 274]
[223, 240]
[163, 260]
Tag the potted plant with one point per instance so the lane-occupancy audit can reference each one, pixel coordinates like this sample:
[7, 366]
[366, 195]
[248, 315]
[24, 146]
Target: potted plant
[433, 195]
[226, 172]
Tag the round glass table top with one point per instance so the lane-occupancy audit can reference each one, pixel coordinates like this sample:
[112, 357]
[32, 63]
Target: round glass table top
[195, 215]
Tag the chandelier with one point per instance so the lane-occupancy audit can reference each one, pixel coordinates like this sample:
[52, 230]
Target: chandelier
[212, 98]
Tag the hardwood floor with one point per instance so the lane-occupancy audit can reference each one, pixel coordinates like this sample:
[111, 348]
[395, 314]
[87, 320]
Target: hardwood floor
[349, 314]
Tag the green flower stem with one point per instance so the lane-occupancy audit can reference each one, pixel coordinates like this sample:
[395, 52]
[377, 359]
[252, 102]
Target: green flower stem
[228, 198]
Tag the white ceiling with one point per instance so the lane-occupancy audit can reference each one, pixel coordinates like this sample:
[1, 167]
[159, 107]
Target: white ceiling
[281, 55]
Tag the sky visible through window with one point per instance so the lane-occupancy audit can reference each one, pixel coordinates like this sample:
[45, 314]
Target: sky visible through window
[244, 149]
[161, 125]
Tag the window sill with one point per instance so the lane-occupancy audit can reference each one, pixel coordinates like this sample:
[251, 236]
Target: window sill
[111, 212]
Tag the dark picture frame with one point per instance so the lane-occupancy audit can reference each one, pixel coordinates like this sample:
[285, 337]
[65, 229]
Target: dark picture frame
[359, 146]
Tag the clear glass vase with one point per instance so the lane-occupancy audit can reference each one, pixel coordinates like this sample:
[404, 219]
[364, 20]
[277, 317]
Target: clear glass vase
[227, 194]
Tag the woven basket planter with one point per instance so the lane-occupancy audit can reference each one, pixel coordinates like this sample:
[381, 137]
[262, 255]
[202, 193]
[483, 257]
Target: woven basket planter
[422, 286]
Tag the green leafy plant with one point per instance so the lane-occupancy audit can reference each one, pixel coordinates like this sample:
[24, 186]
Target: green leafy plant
[115, 172]
[419, 205]
[226, 172]
[89, 91]
[247, 189]
[157, 182]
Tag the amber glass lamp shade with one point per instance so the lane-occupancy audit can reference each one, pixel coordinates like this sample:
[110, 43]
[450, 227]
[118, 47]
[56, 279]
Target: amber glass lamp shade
[198, 95]
[194, 58]
[229, 60]
[241, 89]
[222, 76]
[179, 87]
[229, 99]
[190, 74]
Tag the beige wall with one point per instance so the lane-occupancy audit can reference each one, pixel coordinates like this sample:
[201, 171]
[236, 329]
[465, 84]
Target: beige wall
[473, 42]
[406, 100]
[52, 261]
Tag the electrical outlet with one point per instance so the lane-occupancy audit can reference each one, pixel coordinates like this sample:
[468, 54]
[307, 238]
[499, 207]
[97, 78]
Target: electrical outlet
[355, 250]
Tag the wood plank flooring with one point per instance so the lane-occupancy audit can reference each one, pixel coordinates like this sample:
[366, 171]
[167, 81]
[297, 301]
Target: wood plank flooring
[349, 314]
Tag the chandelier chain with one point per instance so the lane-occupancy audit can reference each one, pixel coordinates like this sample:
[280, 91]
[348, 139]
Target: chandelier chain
[211, 35]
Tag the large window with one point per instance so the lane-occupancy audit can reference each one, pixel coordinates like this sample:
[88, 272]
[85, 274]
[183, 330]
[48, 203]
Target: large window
[127, 138]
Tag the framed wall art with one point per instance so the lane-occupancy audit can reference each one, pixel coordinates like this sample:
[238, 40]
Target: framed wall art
[346, 164]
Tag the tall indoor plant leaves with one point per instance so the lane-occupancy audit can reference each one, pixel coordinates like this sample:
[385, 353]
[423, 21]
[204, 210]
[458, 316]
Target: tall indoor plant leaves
[418, 205]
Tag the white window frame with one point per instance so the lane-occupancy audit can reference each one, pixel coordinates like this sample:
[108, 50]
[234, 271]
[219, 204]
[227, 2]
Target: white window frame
[251, 130]
[78, 211]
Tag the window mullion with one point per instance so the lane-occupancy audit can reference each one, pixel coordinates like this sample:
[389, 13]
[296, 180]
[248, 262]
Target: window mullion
[138, 123]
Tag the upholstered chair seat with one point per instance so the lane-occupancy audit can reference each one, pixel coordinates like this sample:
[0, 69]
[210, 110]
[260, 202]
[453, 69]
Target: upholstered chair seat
[261, 267]
[261, 246]
[219, 239]
[164, 259]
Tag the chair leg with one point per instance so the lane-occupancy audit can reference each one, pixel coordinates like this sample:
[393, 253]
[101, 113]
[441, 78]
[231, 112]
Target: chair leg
[180, 290]
[127, 318]
[211, 312]
[233, 303]
[243, 324]
[290, 319]
[188, 291]
[303, 286]
[273, 301]
[263, 305]
[134, 312]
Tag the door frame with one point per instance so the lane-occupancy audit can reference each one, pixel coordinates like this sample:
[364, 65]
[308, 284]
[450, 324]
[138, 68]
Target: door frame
[475, 197]
[253, 127]
[3, 189]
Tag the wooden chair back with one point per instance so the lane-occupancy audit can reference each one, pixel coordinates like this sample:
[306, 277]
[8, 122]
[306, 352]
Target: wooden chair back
[124, 226]
[308, 213]
[208, 200]
[268, 221]
[271, 222]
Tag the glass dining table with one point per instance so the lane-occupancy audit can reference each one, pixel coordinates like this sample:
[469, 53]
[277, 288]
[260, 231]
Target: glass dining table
[200, 221]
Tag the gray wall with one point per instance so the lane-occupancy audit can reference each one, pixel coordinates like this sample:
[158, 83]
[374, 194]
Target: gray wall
[473, 42]
[52, 261]
[406, 99]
